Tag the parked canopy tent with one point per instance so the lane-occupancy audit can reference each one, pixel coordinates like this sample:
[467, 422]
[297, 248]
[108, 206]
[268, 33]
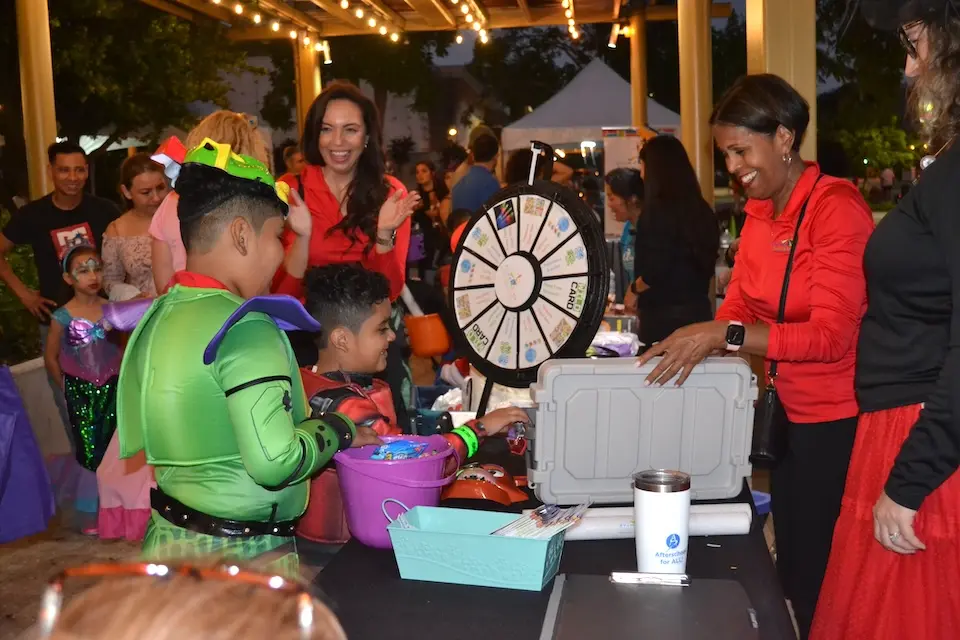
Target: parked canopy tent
[596, 98]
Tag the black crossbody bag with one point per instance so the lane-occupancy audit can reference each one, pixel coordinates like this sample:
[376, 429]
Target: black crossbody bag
[770, 441]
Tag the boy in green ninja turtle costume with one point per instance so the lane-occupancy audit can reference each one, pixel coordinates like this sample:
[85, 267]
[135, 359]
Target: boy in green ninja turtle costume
[209, 387]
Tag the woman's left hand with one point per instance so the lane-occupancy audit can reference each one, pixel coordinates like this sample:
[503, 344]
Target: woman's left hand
[893, 526]
[396, 209]
[298, 217]
[684, 349]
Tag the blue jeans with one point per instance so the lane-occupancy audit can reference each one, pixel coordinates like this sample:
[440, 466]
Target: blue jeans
[57, 392]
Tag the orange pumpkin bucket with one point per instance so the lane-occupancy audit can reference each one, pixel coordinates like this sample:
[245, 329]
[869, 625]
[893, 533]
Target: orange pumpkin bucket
[428, 336]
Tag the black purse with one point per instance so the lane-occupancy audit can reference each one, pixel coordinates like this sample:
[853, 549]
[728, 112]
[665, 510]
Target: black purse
[770, 440]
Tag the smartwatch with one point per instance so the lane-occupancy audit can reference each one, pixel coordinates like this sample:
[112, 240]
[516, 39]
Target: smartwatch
[736, 334]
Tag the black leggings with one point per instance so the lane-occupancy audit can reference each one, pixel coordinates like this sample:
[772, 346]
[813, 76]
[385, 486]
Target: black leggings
[806, 491]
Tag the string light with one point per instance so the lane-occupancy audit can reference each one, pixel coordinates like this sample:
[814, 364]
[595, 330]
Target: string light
[344, 4]
[372, 22]
[275, 25]
[469, 18]
[483, 33]
[483, 39]
[459, 39]
[358, 12]
[257, 18]
[216, 2]
[306, 41]
[383, 30]
[318, 47]
[293, 34]
[394, 37]
[476, 26]
[465, 9]
[238, 9]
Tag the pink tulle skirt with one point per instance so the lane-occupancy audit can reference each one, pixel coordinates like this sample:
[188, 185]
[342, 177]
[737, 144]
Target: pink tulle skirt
[124, 486]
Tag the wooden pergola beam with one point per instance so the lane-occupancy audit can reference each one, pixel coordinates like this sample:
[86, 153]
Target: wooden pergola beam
[386, 11]
[499, 19]
[299, 18]
[218, 13]
[345, 17]
[525, 8]
[171, 8]
[434, 12]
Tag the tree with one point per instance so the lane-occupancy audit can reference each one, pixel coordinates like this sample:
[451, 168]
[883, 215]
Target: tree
[879, 147]
[119, 67]
[522, 68]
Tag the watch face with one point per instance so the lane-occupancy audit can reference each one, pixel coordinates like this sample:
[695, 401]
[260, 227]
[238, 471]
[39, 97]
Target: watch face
[735, 334]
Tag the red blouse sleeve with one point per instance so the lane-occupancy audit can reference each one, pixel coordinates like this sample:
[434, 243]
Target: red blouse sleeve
[283, 282]
[839, 229]
[393, 263]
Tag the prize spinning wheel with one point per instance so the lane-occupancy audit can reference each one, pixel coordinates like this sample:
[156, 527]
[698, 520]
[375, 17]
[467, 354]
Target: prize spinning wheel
[529, 281]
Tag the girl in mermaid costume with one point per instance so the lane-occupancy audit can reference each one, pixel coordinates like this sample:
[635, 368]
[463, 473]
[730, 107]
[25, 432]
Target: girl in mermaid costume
[80, 354]
[209, 387]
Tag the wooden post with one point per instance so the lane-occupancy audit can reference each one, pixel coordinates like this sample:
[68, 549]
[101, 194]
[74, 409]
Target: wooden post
[308, 79]
[638, 69]
[782, 39]
[36, 88]
[696, 88]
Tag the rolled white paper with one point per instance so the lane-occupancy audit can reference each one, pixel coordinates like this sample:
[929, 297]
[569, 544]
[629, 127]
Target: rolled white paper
[614, 523]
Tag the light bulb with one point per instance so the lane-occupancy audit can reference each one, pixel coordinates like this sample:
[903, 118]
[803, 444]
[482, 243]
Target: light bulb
[483, 39]
[383, 30]
[468, 18]
[568, 13]
[344, 4]
[238, 9]
[565, 4]
[257, 18]
[575, 34]
[306, 41]
[275, 25]
[476, 26]
[571, 22]
[293, 34]
[216, 1]
[358, 13]
[459, 39]
[394, 37]
[483, 32]
[372, 22]
[465, 9]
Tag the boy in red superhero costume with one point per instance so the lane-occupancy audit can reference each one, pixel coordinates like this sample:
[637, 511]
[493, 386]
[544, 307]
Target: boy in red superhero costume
[353, 308]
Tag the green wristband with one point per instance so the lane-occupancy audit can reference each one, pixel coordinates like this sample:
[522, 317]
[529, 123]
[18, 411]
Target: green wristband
[469, 438]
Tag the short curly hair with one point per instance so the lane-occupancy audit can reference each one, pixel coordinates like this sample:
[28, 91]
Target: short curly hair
[343, 295]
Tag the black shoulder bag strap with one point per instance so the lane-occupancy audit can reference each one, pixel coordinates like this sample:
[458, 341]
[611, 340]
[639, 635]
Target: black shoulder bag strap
[770, 441]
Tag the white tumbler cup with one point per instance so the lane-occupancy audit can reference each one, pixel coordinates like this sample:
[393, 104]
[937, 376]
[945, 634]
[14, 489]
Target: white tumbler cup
[661, 509]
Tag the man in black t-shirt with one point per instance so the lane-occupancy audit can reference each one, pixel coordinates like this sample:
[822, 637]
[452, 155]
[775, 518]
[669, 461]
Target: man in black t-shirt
[51, 225]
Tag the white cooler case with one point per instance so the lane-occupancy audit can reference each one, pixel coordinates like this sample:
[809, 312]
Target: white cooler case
[597, 424]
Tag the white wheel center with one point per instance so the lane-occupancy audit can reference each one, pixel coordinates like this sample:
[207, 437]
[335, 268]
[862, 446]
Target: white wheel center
[515, 282]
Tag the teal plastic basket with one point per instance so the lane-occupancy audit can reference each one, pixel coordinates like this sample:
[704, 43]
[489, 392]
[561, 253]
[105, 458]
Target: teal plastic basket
[455, 546]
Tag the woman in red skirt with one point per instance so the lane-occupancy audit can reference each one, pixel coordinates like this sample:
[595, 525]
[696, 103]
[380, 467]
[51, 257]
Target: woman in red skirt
[895, 556]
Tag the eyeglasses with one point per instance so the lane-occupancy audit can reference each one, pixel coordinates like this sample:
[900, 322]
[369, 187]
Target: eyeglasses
[52, 601]
[909, 45]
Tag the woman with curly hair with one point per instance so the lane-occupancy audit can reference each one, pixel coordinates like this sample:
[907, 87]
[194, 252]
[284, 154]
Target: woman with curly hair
[896, 546]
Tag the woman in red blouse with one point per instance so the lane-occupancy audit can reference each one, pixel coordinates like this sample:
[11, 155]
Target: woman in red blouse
[360, 214]
[758, 125]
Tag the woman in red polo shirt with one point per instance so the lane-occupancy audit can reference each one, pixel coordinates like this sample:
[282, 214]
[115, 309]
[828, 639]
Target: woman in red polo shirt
[360, 214]
[758, 125]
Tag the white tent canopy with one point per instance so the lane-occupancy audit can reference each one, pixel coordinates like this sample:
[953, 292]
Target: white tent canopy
[595, 99]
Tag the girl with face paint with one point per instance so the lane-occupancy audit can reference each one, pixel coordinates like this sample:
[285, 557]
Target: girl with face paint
[86, 362]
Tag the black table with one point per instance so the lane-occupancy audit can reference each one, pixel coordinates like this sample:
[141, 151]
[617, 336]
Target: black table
[364, 587]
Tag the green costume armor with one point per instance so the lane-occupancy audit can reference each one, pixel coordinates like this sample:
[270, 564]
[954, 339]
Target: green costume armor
[230, 438]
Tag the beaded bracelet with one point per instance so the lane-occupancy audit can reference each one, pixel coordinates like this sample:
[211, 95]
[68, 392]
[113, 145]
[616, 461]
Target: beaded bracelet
[469, 438]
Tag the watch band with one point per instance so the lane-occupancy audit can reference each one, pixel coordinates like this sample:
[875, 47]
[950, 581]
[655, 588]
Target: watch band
[383, 242]
[734, 346]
